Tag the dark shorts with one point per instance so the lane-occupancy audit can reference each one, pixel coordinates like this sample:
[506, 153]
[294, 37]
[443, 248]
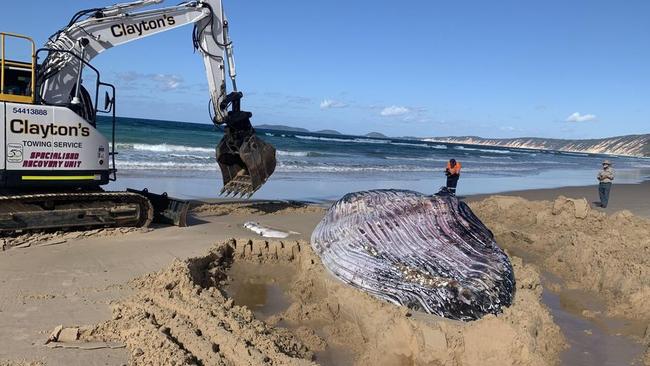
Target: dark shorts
[452, 181]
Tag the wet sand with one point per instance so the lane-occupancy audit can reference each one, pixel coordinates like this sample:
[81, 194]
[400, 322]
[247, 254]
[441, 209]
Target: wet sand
[275, 295]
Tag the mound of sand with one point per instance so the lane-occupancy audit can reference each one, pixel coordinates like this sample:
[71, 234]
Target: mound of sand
[586, 248]
[183, 315]
[179, 316]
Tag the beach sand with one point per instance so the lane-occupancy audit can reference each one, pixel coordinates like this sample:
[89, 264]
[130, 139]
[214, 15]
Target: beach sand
[632, 197]
[194, 295]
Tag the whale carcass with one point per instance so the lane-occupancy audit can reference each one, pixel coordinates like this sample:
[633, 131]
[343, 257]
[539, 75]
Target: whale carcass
[429, 253]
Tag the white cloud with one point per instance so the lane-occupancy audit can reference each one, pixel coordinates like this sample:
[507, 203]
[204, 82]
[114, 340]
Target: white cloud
[394, 111]
[330, 103]
[167, 81]
[577, 117]
[162, 82]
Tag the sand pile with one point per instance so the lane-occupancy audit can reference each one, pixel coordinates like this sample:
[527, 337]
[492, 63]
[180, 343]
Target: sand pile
[586, 248]
[179, 316]
[182, 315]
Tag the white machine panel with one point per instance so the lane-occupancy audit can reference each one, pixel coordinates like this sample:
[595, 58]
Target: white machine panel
[2, 151]
[48, 138]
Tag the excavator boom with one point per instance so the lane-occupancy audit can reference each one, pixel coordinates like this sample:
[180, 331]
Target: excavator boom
[245, 160]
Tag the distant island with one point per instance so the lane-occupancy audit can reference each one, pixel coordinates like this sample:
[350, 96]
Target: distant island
[296, 129]
[329, 132]
[282, 128]
[630, 145]
[376, 135]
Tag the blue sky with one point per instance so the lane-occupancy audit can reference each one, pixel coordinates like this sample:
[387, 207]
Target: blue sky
[567, 69]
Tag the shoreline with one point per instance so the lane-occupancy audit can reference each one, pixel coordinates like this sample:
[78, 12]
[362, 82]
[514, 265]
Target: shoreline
[326, 188]
[624, 196]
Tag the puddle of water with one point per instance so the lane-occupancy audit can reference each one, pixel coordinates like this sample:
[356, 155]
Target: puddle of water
[575, 301]
[263, 288]
[597, 341]
[335, 355]
[264, 300]
[260, 287]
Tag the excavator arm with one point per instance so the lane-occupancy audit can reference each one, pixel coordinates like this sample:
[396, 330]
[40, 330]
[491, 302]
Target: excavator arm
[246, 161]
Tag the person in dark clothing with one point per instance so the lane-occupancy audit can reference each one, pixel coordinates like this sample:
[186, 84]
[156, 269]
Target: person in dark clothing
[605, 178]
[453, 173]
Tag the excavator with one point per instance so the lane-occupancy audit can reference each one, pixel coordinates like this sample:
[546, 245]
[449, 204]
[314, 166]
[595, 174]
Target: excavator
[55, 160]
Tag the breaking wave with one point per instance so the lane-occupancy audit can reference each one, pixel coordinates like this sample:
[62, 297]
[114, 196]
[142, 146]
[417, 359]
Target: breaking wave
[192, 157]
[335, 139]
[372, 141]
[426, 146]
[166, 165]
[436, 159]
[298, 167]
[496, 151]
[310, 154]
[164, 148]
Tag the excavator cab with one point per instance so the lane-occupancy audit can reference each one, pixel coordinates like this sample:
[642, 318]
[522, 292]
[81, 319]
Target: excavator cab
[245, 160]
[17, 77]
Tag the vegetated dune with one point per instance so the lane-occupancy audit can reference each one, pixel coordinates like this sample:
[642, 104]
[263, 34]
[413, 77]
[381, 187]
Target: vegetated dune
[182, 314]
[630, 145]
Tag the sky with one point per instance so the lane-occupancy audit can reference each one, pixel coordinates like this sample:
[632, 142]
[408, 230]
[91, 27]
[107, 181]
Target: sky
[511, 68]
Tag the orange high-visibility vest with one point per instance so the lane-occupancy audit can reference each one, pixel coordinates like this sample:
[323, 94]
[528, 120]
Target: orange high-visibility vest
[455, 169]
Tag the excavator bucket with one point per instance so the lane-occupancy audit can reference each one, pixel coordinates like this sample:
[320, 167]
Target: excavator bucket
[246, 162]
[166, 210]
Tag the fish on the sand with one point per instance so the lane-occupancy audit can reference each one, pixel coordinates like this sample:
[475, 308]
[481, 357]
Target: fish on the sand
[266, 231]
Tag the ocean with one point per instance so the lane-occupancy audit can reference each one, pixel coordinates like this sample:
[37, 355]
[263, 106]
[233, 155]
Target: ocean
[178, 158]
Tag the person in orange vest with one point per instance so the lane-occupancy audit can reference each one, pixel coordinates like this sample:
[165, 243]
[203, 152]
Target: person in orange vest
[453, 173]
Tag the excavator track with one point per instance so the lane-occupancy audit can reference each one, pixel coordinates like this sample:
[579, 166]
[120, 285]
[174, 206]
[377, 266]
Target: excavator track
[61, 211]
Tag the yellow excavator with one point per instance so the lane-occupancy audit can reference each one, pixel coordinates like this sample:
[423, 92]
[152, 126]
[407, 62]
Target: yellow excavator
[55, 160]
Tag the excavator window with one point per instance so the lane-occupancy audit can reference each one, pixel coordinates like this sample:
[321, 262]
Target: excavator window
[86, 109]
[17, 77]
